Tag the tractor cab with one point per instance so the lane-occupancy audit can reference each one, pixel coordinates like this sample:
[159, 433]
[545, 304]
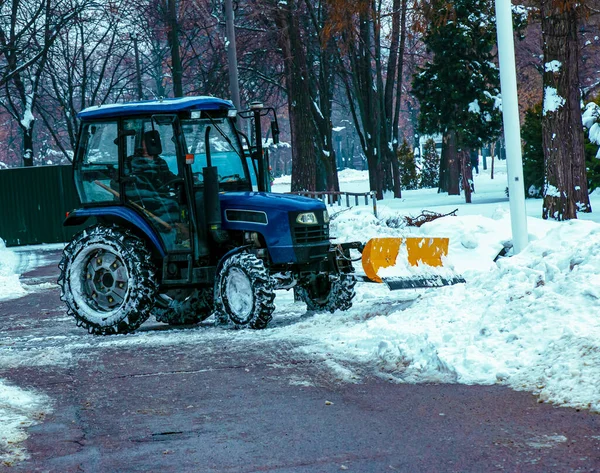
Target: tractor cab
[151, 157]
[184, 225]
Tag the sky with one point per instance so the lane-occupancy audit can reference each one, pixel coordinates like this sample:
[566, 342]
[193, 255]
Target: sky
[528, 321]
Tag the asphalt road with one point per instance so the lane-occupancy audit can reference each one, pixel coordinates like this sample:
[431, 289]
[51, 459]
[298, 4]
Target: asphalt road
[219, 405]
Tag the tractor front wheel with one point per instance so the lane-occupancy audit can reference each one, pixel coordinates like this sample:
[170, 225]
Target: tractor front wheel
[244, 292]
[326, 293]
[107, 280]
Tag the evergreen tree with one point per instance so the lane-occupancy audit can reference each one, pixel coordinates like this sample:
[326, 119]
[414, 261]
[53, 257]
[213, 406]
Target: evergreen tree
[533, 152]
[458, 89]
[408, 168]
[430, 166]
[591, 123]
[592, 165]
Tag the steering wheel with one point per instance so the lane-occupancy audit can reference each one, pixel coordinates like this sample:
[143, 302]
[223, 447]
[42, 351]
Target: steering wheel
[170, 182]
[230, 178]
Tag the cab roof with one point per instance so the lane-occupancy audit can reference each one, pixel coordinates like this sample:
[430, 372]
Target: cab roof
[146, 107]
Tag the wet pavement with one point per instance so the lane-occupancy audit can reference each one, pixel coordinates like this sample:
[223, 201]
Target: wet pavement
[215, 403]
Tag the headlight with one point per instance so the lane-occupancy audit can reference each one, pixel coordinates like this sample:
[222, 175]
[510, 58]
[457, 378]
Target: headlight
[308, 218]
[325, 216]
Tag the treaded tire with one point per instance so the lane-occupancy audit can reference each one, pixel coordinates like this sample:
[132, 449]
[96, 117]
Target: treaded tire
[107, 280]
[338, 295]
[244, 292]
[184, 308]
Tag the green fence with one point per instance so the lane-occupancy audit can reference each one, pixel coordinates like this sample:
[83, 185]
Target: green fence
[33, 204]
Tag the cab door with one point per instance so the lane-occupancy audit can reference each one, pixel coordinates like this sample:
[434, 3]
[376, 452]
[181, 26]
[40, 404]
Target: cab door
[154, 178]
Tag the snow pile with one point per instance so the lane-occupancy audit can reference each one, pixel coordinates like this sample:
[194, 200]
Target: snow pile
[344, 176]
[553, 66]
[283, 180]
[10, 286]
[552, 101]
[19, 409]
[590, 121]
[352, 175]
[529, 321]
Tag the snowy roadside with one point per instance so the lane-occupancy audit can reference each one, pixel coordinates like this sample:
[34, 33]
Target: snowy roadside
[9, 279]
[19, 409]
[529, 321]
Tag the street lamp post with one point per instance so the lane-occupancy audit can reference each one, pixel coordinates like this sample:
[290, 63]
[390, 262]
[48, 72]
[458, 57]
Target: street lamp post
[138, 73]
[175, 55]
[512, 128]
[232, 55]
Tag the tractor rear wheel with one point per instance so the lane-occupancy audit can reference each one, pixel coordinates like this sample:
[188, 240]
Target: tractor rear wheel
[184, 307]
[326, 293]
[107, 280]
[244, 292]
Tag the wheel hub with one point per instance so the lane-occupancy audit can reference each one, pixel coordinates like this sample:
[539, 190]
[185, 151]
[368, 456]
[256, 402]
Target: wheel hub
[106, 281]
[240, 294]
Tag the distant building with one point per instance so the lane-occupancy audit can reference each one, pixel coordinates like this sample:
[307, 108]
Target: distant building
[424, 139]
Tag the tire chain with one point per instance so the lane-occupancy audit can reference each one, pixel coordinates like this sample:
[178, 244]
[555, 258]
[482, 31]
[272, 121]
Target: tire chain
[340, 295]
[264, 292]
[134, 252]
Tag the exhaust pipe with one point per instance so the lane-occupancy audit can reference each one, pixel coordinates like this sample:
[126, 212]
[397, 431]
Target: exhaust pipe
[212, 204]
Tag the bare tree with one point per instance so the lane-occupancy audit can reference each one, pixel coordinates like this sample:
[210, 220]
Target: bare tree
[302, 126]
[92, 62]
[373, 82]
[28, 30]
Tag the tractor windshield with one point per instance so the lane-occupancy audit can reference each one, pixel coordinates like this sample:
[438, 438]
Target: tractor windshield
[225, 151]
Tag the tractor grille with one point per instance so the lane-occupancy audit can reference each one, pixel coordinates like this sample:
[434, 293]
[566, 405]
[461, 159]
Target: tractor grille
[310, 233]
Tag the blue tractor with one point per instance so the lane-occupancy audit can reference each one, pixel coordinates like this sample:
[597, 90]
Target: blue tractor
[181, 224]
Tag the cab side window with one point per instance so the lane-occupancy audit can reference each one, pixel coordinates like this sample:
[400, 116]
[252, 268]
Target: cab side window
[98, 167]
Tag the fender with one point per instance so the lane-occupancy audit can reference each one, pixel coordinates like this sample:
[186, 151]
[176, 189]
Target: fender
[239, 249]
[131, 217]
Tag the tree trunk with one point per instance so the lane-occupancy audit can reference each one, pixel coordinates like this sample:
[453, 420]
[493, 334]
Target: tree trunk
[302, 127]
[322, 117]
[443, 179]
[28, 145]
[393, 90]
[453, 162]
[562, 131]
[466, 173]
[175, 56]
[402, 47]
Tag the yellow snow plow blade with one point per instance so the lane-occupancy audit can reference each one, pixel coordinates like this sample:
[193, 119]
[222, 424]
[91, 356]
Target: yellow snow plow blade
[383, 252]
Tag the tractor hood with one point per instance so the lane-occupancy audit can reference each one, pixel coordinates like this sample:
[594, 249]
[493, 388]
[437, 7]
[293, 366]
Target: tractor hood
[265, 201]
[274, 216]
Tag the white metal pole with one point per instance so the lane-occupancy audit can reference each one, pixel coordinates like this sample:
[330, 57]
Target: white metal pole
[512, 128]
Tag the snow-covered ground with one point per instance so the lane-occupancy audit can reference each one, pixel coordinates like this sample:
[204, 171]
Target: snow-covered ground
[19, 408]
[10, 286]
[529, 321]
